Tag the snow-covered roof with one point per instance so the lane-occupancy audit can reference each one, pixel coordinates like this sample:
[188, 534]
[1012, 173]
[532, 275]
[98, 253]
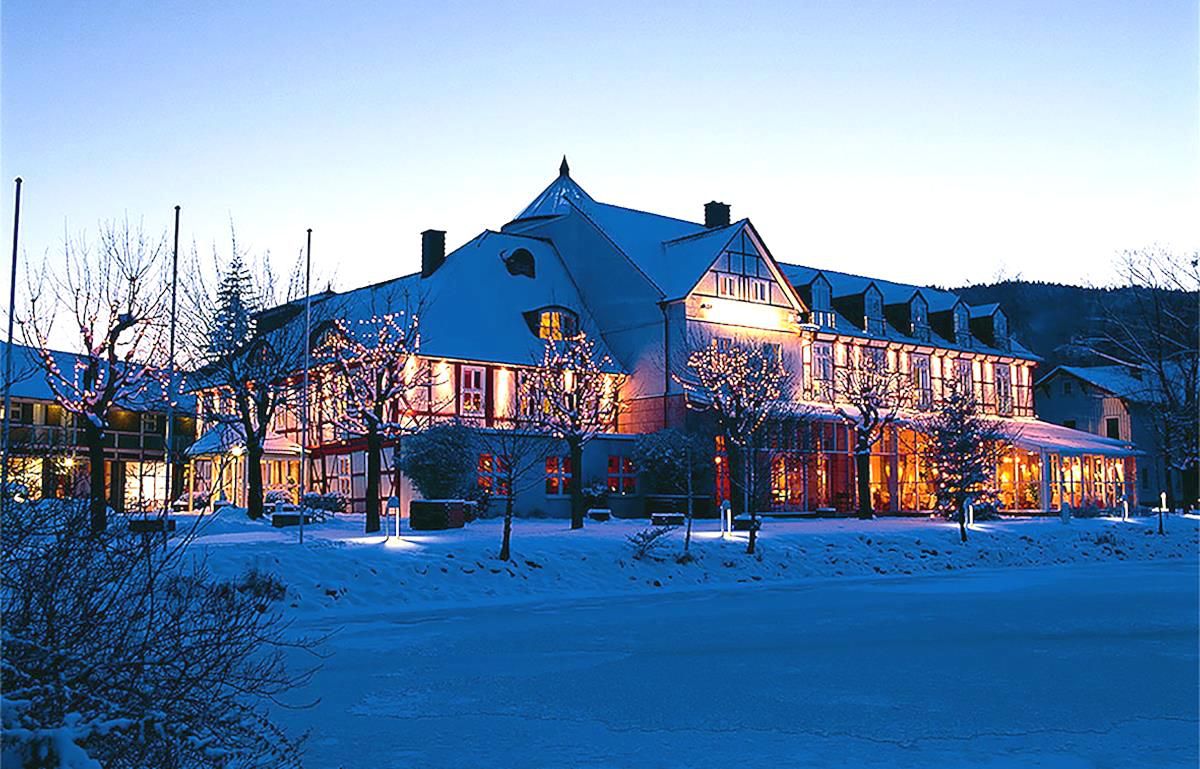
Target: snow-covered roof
[472, 307]
[1043, 436]
[1118, 380]
[30, 381]
[224, 437]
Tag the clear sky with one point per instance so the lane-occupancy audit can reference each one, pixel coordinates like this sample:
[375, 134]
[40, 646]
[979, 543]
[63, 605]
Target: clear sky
[934, 142]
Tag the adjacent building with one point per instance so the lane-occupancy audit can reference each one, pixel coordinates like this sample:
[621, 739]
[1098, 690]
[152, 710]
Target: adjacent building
[48, 458]
[649, 288]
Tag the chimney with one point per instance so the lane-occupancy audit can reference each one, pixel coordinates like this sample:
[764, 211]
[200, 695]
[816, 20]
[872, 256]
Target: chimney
[433, 251]
[716, 214]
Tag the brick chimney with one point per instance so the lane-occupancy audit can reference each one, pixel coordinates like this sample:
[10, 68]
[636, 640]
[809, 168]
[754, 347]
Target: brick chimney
[433, 251]
[716, 214]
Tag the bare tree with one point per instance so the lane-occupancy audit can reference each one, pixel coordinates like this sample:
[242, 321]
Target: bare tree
[744, 385]
[514, 460]
[376, 369]
[245, 339]
[963, 448]
[113, 296]
[673, 459]
[870, 396]
[572, 393]
[120, 656]
[1154, 332]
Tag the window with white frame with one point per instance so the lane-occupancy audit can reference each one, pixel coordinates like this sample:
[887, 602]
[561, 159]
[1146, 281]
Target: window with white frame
[822, 370]
[964, 375]
[822, 303]
[723, 343]
[919, 311]
[471, 391]
[728, 286]
[962, 324]
[922, 381]
[558, 476]
[873, 312]
[1004, 402]
[622, 477]
[760, 291]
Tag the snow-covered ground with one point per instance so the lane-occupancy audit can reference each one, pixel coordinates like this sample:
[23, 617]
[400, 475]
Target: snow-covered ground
[1092, 665]
[882, 643]
[338, 569]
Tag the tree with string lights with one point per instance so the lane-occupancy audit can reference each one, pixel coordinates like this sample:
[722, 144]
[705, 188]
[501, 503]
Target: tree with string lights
[870, 397]
[113, 294]
[744, 384]
[375, 368]
[572, 393]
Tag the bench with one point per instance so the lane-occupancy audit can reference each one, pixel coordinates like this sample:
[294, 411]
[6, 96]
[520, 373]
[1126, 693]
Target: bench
[666, 519]
[279, 520]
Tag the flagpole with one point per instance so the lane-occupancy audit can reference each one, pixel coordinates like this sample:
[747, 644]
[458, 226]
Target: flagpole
[8, 349]
[304, 387]
[169, 451]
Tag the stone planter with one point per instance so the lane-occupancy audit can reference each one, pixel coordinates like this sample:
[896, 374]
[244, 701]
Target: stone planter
[436, 514]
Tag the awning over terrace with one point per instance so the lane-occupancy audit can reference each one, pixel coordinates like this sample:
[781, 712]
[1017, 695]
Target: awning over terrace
[1036, 435]
[225, 438]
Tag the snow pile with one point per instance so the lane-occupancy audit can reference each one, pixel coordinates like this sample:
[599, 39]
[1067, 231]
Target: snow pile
[338, 568]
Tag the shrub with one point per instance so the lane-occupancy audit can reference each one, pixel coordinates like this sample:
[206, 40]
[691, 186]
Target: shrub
[439, 460]
[482, 498]
[647, 541]
[330, 502]
[596, 495]
[274, 496]
[662, 459]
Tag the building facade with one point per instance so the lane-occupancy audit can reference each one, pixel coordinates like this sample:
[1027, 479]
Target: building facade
[48, 456]
[649, 289]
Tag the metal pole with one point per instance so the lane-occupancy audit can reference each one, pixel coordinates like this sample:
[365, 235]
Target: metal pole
[169, 451]
[304, 387]
[8, 349]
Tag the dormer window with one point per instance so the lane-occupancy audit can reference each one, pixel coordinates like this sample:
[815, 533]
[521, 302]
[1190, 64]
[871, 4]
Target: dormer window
[873, 312]
[919, 314]
[557, 324]
[962, 324]
[822, 303]
[1000, 330]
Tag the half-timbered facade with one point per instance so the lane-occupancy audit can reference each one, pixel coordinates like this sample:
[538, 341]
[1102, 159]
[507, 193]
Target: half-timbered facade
[649, 288]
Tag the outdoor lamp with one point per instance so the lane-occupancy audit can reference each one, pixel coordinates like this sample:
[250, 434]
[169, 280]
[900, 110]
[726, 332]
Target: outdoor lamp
[393, 508]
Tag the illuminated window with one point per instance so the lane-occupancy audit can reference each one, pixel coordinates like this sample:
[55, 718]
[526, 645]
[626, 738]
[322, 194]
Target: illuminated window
[823, 370]
[922, 381]
[729, 286]
[964, 375]
[557, 324]
[622, 478]
[493, 472]
[1004, 402]
[760, 291]
[558, 476]
[470, 393]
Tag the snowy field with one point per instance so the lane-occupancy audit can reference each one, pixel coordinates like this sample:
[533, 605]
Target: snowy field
[881, 643]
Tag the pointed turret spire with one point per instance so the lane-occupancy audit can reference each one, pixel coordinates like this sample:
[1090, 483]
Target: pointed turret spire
[564, 169]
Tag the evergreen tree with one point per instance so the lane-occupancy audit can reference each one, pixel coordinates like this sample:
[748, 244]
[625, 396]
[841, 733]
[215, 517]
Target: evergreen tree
[236, 304]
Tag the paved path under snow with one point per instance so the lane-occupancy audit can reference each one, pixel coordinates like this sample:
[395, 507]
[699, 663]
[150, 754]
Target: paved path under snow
[1080, 666]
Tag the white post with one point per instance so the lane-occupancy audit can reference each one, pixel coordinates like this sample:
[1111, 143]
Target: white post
[970, 514]
[1124, 509]
[1162, 501]
[393, 503]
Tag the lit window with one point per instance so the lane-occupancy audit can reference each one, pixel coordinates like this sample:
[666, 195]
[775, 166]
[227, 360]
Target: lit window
[470, 394]
[558, 476]
[921, 381]
[964, 374]
[551, 325]
[1004, 403]
[760, 291]
[622, 478]
[729, 286]
[823, 370]
[493, 472]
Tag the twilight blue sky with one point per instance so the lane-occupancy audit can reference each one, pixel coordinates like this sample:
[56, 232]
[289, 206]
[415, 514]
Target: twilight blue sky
[918, 141]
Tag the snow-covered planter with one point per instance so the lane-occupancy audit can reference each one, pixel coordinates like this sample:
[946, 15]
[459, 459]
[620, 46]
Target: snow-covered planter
[436, 514]
[599, 513]
[330, 502]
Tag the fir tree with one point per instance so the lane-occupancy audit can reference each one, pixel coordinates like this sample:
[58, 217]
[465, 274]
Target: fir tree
[236, 304]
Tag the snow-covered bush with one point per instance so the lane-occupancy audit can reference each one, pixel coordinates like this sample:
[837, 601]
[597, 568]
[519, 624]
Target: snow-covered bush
[647, 541]
[119, 656]
[596, 495]
[277, 496]
[439, 460]
[330, 501]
